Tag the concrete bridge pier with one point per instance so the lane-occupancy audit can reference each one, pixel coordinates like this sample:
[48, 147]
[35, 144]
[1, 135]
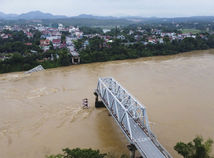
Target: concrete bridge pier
[132, 150]
[98, 104]
[75, 60]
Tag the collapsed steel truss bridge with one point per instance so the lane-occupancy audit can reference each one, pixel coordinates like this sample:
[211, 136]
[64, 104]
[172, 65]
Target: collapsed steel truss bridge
[131, 117]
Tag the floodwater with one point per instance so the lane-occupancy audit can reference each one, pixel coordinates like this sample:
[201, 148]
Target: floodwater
[41, 113]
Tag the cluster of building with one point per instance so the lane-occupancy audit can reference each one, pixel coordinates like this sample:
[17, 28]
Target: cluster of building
[53, 37]
[50, 37]
[49, 34]
[157, 36]
[5, 36]
[25, 29]
[63, 37]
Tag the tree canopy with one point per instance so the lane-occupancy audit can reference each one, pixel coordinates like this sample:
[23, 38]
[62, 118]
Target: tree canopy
[84, 153]
[79, 153]
[196, 149]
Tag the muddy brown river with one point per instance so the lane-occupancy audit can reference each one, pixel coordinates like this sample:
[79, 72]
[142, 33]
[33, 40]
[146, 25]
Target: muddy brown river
[41, 113]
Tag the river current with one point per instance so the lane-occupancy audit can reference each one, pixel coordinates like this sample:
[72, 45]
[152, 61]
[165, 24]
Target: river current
[41, 113]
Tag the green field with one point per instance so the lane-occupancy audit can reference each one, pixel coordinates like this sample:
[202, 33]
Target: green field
[193, 31]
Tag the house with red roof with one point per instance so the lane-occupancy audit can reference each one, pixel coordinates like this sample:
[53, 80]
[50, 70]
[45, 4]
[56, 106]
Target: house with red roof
[29, 34]
[44, 42]
[56, 43]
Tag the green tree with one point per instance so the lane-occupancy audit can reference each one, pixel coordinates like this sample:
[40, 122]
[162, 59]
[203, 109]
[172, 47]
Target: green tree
[63, 38]
[195, 149]
[84, 153]
[64, 58]
[79, 153]
[90, 30]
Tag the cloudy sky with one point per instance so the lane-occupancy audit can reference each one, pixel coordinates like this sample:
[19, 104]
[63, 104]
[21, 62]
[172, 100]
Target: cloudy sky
[144, 8]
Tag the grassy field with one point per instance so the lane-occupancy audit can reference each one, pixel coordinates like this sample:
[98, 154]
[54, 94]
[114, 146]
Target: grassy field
[194, 31]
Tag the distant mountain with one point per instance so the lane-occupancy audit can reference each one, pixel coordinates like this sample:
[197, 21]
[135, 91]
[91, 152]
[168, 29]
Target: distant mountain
[39, 15]
[7, 16]
[88, 16]
[2, 14]
[88, 19]
[30, 16]
[139, 19]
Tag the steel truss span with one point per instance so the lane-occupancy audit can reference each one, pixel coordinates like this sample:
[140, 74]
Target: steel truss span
[131, 117]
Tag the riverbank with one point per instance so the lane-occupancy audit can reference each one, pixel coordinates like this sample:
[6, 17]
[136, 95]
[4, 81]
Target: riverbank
[96, 52]
[54, 65]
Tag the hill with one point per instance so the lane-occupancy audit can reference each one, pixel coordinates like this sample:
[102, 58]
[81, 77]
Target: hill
[30, 16]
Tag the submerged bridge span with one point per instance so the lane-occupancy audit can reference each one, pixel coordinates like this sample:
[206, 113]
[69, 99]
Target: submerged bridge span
[131, 116]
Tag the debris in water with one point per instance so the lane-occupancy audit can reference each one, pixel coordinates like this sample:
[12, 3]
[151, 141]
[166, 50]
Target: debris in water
[85, 103]
[36, 69]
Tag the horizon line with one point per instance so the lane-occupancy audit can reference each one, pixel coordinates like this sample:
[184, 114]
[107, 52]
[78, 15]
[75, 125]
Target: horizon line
[114, 16]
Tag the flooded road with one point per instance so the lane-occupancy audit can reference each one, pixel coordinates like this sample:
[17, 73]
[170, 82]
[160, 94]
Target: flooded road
[41, 113]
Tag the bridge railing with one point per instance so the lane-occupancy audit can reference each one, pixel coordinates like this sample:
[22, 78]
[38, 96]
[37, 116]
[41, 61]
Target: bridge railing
[122, 103]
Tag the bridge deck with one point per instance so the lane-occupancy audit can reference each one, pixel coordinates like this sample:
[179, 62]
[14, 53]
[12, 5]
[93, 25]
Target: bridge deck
[131, 117]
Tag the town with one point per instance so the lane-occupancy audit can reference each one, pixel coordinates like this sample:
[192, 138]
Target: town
[65, 45]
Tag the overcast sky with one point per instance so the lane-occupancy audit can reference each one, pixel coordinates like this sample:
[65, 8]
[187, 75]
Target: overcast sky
[144, 8]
